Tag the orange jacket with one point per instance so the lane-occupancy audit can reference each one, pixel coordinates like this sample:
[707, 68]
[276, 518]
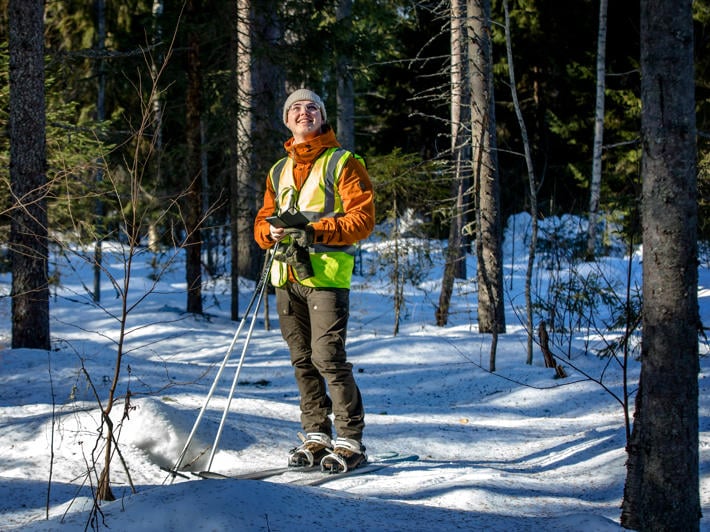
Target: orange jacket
[354, 188]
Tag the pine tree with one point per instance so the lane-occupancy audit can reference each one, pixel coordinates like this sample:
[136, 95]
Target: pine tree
[662, 484]
[28, 167]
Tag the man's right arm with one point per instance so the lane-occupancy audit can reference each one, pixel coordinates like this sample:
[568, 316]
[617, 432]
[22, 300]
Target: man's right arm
[262, 228]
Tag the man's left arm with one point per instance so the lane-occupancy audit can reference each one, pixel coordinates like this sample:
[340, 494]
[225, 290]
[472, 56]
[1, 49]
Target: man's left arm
[357, 195]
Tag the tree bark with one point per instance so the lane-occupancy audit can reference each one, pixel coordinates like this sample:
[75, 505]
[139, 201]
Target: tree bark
[662, 486]
[100, 117]
[243, 191]
[28, 178]
[259, 123]
[346, 88]
[455, 264]
[239, 60]
[596, 182]
[491, 315]
[532, 184]
[193, 196]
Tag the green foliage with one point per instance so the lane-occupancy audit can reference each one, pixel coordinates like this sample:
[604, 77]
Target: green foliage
[403, 103]
[398, 58]
[74, 155]
[403, 182]
[554, 49]
[573, 301]
[585, 300]
[75, 160]
[704, 197]
[412, 257]
[561, 246]
[574, 295]
[565, 244]
[701, 15]
[405, 186]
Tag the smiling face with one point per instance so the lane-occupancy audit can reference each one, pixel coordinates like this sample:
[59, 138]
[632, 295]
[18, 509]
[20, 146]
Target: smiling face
[304, 120]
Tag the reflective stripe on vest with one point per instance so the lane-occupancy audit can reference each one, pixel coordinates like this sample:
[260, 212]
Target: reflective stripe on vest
[318, 198]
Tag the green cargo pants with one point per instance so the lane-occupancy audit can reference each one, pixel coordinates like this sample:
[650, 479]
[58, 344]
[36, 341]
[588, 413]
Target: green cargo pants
[314, 323]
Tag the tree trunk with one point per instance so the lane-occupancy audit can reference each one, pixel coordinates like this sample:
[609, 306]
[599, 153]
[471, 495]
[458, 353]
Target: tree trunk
[157, 58]
[455, 264]
[268, 97]
[532, 184]
[596, 182]
[193, 196]
[346, 90]
[243, 189]
[491, 314]
[662, 486]
[28, 178]
[260, 94]
[397, 276]
[100, 117]
[238, 50]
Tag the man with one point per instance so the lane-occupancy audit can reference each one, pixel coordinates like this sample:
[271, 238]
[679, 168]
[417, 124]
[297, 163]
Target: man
[331, 189]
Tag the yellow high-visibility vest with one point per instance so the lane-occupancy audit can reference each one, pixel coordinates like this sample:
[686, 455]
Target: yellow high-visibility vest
[318, 198]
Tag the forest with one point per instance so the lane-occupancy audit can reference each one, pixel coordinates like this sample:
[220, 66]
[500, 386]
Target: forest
[154, 124]
[109, 64]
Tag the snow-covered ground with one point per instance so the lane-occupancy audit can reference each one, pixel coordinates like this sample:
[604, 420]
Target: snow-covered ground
[515, 449]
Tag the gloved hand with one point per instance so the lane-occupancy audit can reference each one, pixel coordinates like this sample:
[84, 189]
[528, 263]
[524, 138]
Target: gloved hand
[301, 236]
[298, 258]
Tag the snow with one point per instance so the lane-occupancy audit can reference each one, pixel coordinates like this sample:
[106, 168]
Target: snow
[515, 449]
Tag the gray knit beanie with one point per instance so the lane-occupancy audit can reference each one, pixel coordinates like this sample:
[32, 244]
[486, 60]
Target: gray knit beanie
[305, 94]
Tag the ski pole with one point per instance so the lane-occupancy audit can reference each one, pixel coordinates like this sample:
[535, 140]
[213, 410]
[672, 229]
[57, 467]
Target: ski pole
[235, 381]
[257, 294]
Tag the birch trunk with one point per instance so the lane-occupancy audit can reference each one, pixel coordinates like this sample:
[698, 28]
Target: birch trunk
[596, 182]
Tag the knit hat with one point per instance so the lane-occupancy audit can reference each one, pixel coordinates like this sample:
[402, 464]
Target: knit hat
[305, 94]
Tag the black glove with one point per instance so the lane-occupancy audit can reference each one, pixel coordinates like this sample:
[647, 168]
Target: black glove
[301, 236]
[300, 261]
[298, 258]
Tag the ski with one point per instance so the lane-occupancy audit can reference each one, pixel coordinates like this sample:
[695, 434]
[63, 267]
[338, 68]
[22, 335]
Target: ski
[174, 473]
[380, 462]
[326, 476]
[261, 474]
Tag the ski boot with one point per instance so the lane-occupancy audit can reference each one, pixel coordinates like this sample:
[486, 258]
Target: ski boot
[315, 446]
[346, 455]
